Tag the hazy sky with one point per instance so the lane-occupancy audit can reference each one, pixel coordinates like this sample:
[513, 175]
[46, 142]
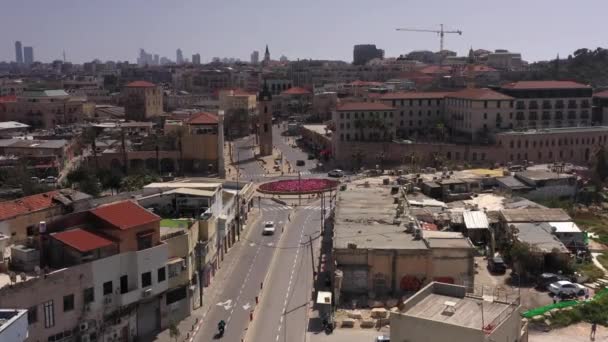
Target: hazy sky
[319, 29]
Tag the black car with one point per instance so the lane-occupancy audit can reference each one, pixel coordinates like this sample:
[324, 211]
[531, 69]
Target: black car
[497, 265]
[546, 279]
[300, 163]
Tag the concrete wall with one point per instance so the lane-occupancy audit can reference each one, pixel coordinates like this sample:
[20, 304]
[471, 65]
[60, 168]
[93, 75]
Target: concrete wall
[128, 238]
[16, 227]
[15, 328]
[509, 329]
[452, 263]
[412, 329]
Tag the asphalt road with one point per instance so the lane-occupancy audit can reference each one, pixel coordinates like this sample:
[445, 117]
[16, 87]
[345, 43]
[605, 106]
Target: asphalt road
[283, 311]
[289, 153]
[237, 299]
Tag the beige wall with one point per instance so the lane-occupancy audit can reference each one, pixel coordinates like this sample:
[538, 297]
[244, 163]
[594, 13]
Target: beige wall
[200, 146]
[16, 227]
[128, 238]
[346, 129]
[229, 100]
[416, 114]
[142, 103]
[453, 263]
[45, 114]
[411, 329]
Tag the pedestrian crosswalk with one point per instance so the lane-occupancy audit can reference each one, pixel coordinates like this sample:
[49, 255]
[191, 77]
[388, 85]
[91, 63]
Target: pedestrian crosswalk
[277, 208]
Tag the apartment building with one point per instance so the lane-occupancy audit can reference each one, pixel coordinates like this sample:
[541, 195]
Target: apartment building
[474, 113]
[142, 100]
[547, 104]
[102, 274]
[45, 109]
[416, 112]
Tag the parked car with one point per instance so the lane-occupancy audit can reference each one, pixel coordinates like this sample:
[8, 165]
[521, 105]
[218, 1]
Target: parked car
[546, 279]
[564, 287]
[336, 173]
[268, 228]
[497, 264]
[51, 179]
[300, 163]
[382, 338]
[311, 157]
[35, 179]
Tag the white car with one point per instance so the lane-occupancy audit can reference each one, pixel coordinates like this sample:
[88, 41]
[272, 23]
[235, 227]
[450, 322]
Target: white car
[336, 173]
[268, 228]
[382, 339]
[565, 287]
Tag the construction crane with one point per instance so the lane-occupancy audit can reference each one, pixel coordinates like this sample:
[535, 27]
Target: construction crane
[440, 32]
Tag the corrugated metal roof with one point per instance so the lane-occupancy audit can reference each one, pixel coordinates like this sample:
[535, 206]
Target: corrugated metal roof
[191, 192]
[565, 227]
[475, 220]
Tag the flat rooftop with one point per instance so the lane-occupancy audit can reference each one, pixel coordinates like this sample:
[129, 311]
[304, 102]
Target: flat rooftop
[558, 130]
[365, 216]
[466, 312]
[539, 175]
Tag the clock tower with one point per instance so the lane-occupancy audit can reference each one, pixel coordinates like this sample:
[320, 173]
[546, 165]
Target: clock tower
[265, 121]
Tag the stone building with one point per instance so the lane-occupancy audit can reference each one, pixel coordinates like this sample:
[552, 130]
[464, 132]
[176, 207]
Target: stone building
[142, 101]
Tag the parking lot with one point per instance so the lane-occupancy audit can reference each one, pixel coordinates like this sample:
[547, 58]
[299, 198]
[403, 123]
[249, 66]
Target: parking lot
[530, 297]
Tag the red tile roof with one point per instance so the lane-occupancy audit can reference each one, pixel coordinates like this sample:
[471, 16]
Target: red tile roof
[482, 68]
[82, 240]
[603, 94]
[125, 215]
[479, 94]
[359, 83]
[416, 95]
[436, 69]
[353, 106]
[8, 98]
[203, 119]
[27, 204]
[296, 91]
[140, 84]
[545, 85]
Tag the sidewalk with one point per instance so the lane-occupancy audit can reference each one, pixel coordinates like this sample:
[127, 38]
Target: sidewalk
[191, 324]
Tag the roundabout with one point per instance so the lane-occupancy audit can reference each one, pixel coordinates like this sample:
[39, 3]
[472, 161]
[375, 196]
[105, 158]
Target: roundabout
[298, 187]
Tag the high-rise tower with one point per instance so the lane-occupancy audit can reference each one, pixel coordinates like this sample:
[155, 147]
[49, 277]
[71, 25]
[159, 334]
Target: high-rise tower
[18, 53]
[265, 121]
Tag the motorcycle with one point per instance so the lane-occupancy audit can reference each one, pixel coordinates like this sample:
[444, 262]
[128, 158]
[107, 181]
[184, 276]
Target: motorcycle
[220, 328]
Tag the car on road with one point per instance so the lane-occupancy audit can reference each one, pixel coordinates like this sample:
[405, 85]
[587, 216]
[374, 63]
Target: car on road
[564, 287]
[269, 228]
[382, 338]
[300, 162]
[497, 264]
[51, 179]
[336, 173]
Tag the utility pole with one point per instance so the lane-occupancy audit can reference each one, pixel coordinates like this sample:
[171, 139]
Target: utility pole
[299, 189]
[322, 210]
[238, 201]
[312, 257]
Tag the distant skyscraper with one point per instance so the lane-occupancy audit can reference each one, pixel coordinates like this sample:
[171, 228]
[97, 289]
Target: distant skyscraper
[18, 53]
[179, 58]
[255, 57]
[196, 58]
[28, 55]
[267, 55]
[364, 53]
[156, 60]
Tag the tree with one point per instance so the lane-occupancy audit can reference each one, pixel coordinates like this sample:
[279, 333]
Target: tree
[137, 181]
[601, 164]
[173, 331]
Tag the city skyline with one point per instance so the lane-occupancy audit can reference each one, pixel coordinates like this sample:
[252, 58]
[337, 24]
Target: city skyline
[337, 28]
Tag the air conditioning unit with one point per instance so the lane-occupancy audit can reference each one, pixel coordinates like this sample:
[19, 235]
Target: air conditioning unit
[84, 327]
[146, 293]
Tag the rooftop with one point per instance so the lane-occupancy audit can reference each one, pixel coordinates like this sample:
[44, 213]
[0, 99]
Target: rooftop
[354, 106]
[203, 118]
[538, 235]
[603, 94]
[414, 95]
[125, 215]
[140, 84]
[82, 240]
[557, 130]
[12, 125]
[540, 175]
[27, 204]
[535, 215]
[370, 226]
[21, 143]
[479, 94]
[512, 183]
[475, 220]
[296, 91]
[531, 85]
[449, 304]
[318, 128]
[44, 93]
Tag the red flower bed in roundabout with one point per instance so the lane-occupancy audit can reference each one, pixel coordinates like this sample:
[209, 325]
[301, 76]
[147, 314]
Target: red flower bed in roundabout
[293, 186]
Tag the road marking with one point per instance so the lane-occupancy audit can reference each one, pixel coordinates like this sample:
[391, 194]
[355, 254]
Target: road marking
[246, 306]
[227, 304]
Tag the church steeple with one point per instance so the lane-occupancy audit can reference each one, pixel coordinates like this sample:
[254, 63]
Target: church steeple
[267, 55]
[471, 69]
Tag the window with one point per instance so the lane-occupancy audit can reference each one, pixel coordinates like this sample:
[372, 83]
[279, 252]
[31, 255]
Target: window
[144, 241]
[341, 115]
[146, 279]
[485, 104]
[176, 295]
[485, 116]
[32, 314]
[49, 314]
[107, 288]
[124, 284]
[89, 295]
[68, 303]
[341, 137]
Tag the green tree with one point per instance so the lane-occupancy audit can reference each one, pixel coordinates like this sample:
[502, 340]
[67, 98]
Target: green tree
[173, 331]
[137, 181]
[601, 164]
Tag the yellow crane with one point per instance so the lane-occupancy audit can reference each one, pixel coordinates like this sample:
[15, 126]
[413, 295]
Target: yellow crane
[441, 32]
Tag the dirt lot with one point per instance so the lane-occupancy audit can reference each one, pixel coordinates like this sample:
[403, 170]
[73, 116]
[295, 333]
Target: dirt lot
[573, 333]
[530, 297]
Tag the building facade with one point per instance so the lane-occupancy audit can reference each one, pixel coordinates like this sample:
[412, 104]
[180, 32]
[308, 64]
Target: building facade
[142, 101]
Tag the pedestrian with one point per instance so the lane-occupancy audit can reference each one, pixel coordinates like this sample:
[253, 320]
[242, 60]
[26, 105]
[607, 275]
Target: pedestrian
[593, 329]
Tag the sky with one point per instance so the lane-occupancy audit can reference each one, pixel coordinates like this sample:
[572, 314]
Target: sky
[317, 29]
